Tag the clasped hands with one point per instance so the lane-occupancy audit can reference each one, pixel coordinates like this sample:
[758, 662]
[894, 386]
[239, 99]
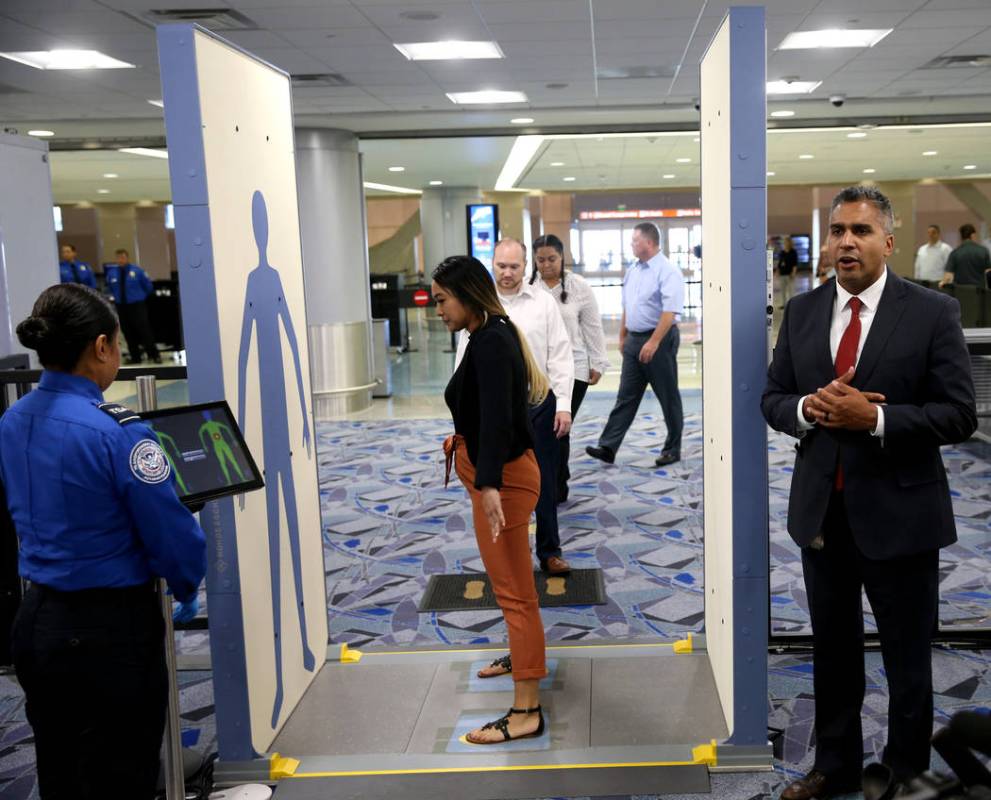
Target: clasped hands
[840, 406]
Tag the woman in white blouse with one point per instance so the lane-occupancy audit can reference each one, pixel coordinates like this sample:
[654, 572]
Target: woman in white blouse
[581, 318]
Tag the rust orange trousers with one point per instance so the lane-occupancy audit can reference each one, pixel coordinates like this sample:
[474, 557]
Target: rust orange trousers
[507, 560]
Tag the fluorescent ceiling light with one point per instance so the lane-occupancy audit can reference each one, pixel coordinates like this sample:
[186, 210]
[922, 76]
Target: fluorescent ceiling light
[145, 151]
[668, 176]
[523, 150]
[67, 59]
[521, 120]
[158, 103]
[397, 169]
[109, 174]
[806, 156]
[930, 152]
[970, 166]
[486, 96]
[792, 87]
[683, 160]
[856, 135]
[41, 133]
[568, 179]
[436, 183]
[783, 113]
[833, 37]
[103, 191]
[557, 163]
[451, 50]
[384, 187]
[771, 174]
[697, 139]
[869, 171]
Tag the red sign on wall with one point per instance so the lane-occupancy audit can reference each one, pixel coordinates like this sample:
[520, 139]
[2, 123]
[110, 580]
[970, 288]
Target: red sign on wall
[420, 297]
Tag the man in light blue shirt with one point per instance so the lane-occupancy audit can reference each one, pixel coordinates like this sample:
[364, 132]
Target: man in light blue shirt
[653, 298]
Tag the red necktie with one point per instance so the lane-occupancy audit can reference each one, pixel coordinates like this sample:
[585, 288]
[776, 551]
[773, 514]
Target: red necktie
[846, 357]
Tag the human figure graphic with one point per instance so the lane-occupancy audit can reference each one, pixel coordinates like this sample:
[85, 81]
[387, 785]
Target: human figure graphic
[174, 455]
[265, 306]
[220, 437]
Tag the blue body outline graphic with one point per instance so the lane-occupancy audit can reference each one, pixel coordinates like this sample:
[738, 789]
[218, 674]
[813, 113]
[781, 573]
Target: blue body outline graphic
[264, 306]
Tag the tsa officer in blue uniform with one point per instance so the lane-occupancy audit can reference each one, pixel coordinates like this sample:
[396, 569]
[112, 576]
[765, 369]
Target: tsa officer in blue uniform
[72, 270]
[130, 286]
[91, 497]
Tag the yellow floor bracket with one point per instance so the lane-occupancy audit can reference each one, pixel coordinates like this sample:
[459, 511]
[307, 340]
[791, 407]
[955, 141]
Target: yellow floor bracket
[282, 767]
[349, 656]
[705, 754]
[684, 645]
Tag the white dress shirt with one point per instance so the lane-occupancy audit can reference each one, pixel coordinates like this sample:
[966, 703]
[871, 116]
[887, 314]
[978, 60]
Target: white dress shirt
[581, 317]
[930, 261]
[536, 315]
[870, 298]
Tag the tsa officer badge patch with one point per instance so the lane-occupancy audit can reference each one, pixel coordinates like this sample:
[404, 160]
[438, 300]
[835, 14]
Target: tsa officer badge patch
[148, 462]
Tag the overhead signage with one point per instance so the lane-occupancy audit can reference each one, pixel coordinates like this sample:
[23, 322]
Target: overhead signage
[640, 213]
[483, 230]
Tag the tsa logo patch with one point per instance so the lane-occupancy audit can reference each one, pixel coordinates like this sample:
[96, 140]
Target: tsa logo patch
[148, 462]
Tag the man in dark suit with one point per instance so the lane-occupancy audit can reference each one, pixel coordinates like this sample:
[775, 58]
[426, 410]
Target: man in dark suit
[872, 375]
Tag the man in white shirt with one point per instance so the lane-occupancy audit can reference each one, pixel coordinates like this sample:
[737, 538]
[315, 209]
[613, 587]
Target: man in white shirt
[536, 314]
[930, 260]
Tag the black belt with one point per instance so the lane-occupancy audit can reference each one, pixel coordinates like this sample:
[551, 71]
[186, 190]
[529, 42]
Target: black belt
[95, 593]
[641, 333]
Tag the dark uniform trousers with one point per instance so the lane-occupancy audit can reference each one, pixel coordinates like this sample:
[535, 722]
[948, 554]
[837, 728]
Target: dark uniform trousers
[136, 327]
[546, 449]
[903, 593]
[564, 443]
[92, 664]
[662, 375]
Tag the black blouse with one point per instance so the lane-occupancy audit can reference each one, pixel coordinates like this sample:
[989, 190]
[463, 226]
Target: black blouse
[487, 396]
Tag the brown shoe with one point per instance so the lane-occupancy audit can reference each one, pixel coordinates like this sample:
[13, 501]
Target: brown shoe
[817, 785]
[555, 565]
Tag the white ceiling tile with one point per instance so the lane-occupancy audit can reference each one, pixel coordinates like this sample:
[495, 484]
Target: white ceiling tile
[449, 16]
[472, 31]
[280, 18]
[948, 18]
[498, 11]
[335, 37]
[944, 5]
[541, 31]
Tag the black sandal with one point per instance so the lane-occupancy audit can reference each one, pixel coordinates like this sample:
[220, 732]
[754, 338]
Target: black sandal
[505, 663]
[502, 725]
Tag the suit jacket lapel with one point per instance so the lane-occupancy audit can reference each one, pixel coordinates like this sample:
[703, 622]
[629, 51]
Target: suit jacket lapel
[889, 311]
[821, 322]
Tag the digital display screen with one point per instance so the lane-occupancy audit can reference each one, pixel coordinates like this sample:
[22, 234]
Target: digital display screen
[206, 451]
[801, 243]
[483, 232]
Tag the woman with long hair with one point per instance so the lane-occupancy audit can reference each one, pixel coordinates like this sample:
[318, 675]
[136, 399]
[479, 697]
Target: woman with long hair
[581, 317]
[91, 497]
[492, 451]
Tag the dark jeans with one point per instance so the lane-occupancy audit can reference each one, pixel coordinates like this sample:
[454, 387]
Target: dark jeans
[564, 443]
[92, 666]
[136, 327]
[903, 593]
[662, 375]
[545, 448]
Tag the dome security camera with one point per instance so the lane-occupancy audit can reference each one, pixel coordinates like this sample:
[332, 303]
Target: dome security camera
[837, 99]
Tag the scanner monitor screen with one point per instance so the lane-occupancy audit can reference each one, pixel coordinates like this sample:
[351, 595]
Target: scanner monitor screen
[206, 451]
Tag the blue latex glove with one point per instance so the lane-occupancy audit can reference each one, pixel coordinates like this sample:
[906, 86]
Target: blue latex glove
[184, 612]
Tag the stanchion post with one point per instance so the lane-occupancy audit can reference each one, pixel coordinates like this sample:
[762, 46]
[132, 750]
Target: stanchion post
[175, 777]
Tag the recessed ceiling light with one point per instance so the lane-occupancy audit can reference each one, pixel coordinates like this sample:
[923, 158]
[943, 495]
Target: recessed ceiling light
[109, 174]
[683, 160]
[41, 133]
[384, 187]
[970, 166]
[667, 176]
[833, 37]
[783, 113]
[806, 156]
[397, 169]
[103, 191]
[856, 135]
[486, 96]
[436, 183]
[771, 174]
[930, 152]
[67, 59]
[869, 171]
[557, 163]
[697, 139]
[145, 151]
[450, 50]
[569, 179]
[792, 87]
[521, 120]
[158, 103]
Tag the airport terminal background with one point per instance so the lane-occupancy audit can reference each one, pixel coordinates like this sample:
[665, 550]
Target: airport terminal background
[618, 145]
